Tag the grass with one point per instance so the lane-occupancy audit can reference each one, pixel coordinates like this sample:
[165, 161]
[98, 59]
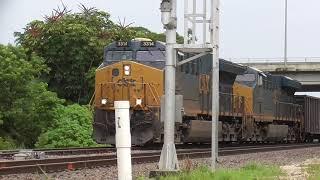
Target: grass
[248, 172]
[313, 171]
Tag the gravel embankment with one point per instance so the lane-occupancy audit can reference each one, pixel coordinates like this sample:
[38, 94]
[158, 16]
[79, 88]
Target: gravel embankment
[276, 158]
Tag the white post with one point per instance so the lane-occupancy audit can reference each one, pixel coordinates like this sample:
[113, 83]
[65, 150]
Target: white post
[215, 80]
[123, 139]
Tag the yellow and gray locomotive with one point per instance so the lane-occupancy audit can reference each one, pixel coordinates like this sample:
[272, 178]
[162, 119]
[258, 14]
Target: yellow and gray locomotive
[254, 106]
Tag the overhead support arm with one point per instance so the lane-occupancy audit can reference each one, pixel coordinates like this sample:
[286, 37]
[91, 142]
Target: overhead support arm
[192, 58]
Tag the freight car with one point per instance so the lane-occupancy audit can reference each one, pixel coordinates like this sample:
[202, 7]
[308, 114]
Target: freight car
[254, 106]
[310, 125]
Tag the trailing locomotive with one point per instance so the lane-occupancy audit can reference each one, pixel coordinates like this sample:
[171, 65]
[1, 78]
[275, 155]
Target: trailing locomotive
[254, 106]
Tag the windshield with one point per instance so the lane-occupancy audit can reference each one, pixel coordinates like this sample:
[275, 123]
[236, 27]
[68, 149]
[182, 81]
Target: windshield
[118, 55]
[151, 56]
[247, 79]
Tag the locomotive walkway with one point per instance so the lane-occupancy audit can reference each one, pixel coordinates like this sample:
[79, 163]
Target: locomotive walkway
[305, 70]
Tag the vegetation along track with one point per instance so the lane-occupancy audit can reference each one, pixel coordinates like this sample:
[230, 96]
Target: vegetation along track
[79, 162]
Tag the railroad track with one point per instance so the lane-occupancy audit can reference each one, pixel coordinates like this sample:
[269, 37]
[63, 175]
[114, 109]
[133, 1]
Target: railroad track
[59, 151]
[8, 154]
[93, 161]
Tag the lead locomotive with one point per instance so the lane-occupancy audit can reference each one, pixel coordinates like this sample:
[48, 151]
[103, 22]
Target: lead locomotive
[254, 106]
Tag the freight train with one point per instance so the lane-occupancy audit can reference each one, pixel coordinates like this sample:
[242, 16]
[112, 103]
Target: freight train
[255, 106]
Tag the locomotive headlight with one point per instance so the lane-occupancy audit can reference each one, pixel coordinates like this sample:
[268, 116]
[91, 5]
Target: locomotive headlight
[127, 70]
[104, 101]
[138, 101]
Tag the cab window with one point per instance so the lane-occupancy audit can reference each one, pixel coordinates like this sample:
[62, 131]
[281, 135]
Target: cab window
[119, 55]
[151, 56]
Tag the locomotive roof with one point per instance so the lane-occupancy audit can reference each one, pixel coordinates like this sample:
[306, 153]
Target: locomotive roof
[287, 82]
[135, 45]
[230, 67]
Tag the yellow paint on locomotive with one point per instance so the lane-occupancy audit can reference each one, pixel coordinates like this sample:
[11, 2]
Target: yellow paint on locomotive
[141, 85]
[247, 93]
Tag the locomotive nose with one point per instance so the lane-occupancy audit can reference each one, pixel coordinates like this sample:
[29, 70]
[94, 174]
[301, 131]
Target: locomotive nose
[131, 81]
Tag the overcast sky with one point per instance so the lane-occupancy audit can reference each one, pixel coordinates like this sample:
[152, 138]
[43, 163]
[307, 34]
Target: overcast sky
[249, 28]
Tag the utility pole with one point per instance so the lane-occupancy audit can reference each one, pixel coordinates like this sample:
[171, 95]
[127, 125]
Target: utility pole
[168, 158]
[285, 33]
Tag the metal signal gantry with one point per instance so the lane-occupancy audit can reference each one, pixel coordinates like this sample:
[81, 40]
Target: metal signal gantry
[208, 43]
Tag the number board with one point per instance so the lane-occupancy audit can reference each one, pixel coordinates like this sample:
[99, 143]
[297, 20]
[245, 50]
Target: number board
[148, 44]
[122, 44]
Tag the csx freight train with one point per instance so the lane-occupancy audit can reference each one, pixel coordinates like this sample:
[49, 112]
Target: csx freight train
[254, 106]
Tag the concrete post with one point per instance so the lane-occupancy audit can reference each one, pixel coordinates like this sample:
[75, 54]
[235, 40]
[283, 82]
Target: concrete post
[123, 139]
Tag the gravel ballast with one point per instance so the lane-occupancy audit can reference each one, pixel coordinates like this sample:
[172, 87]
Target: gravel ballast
[280, 158]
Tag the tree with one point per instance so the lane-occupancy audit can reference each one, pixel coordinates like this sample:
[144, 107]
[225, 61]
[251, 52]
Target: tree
[145, 33]
[72, 46]
[72, 127]
[6, 143]
[25, 103]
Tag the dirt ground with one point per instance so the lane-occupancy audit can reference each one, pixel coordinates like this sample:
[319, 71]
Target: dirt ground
[298, 171]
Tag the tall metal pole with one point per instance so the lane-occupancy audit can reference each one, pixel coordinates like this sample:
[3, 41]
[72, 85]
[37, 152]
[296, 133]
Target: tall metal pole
[168, 159]
[285, 33]
[215, 80]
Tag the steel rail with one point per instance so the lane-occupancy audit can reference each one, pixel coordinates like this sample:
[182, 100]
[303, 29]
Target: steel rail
[60, 151]
[80, 162]
[99, 150]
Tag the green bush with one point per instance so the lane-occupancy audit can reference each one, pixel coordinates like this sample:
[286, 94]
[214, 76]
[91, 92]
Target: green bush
[6, 143]
[25, 103]
[72, 127]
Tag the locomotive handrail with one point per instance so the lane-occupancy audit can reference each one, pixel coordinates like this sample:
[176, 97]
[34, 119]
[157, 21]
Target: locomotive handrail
[232, 104]
[157, 100]
[138, 60]
[288, 103]
[123, 83]
[92, 99]
[154, 93]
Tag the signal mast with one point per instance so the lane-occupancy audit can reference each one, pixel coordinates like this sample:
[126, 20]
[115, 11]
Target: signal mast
[208, 20]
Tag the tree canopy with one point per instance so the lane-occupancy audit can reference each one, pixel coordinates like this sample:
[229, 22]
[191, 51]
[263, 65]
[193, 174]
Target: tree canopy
[51, 71]
[72, 46]
[26, 105]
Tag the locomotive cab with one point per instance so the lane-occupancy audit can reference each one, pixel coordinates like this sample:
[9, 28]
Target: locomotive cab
[131, 71]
